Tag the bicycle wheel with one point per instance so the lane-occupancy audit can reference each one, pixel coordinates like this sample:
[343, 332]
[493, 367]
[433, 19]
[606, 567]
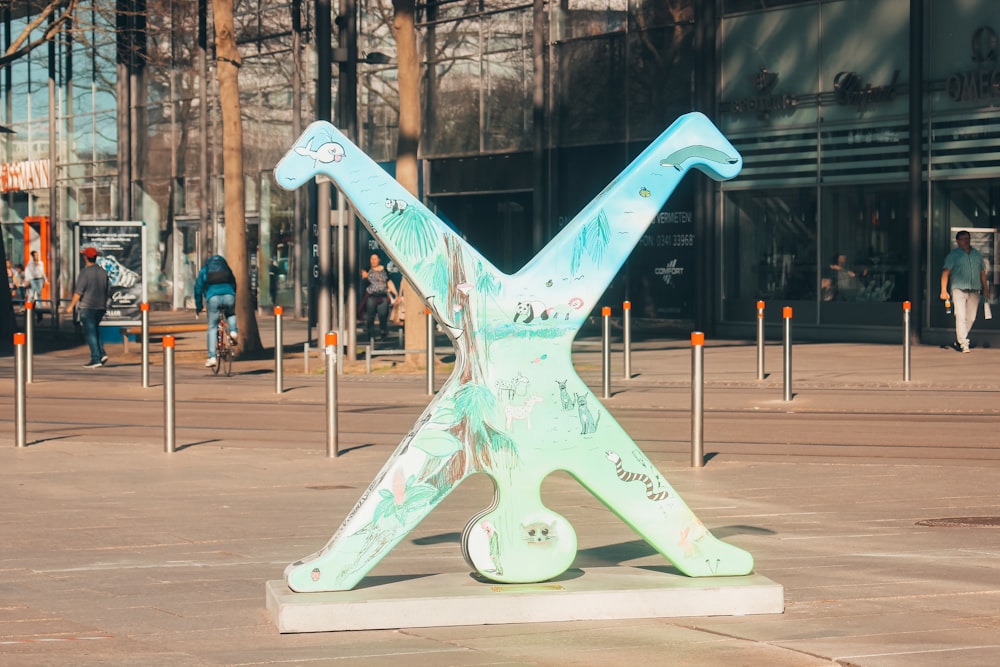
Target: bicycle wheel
[219, 348]
[226, 356]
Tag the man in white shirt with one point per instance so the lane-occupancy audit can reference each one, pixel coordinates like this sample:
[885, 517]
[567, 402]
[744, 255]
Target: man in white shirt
[34, 274]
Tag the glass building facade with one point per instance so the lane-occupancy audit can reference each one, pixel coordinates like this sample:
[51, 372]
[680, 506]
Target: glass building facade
[528, 110]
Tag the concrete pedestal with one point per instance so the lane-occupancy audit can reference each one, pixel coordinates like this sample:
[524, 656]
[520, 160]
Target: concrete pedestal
[441, 600]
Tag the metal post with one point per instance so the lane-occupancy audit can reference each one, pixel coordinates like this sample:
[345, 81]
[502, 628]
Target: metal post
[906, 341]
[144, 313]
[342, 325]
[697, 399]
[368, 359]
[606, 352]
[627, 323]
[279, 352]
[331, 395]
[430, 352]
[169, 407]
[20, 392]
[786, 313]
[29, 330]
[305, 357]
[760, 340]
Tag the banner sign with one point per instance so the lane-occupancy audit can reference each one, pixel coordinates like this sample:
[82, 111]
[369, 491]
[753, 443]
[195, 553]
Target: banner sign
[28, 175]
[122, 254]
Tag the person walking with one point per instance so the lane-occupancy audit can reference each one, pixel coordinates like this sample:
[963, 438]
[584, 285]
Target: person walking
[216, 284]
[34, 274]
[379, 295]
[91, 293]
[965, 268]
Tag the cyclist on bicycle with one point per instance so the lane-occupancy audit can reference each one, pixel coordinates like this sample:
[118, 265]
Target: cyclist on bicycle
[218, 285]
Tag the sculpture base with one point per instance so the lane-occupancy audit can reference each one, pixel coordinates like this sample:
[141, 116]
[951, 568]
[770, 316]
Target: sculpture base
[439, 600]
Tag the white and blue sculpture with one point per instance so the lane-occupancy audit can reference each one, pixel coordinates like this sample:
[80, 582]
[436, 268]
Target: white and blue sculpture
[514, 408]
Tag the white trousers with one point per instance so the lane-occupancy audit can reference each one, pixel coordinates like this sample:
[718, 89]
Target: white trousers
[966, 305]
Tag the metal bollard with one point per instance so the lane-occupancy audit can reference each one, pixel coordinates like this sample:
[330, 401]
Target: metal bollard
[760, 340]
[697, 399]
[20, 392]
[368, 359]
[331, 396]
[144, 313]
[786, 313]
[627, 325]
[430, 352]
[906, 341]
[169, 402]
[279, 352]
[606, 352]
[29, 330]
[305, 357]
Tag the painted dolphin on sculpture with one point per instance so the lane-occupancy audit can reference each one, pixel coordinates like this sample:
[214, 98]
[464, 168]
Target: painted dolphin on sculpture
[514, 408]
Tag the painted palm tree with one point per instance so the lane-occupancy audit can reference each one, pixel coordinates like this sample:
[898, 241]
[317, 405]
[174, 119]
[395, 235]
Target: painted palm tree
[513, 331]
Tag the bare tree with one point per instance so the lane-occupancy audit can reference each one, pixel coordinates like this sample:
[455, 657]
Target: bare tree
[227, 73]
[57, 13]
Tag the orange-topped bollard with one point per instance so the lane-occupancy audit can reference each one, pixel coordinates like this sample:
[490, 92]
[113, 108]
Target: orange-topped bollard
[906, 341]
[697, 399]
[760, 340]
[331, 395]
[279, 351]
[627, 328]
[144, 333]
[606, 352]
[786, 313]
[29, 330]
[20, 392]
[169, 403]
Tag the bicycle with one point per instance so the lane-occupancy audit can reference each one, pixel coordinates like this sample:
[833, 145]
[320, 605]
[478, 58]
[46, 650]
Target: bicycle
[224, 345]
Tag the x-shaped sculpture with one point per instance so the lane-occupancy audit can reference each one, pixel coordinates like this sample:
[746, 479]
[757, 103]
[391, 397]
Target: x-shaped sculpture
[514, 408]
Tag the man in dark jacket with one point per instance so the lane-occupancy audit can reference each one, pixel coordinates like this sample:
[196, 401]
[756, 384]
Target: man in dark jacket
[217, 285]
[91, 293]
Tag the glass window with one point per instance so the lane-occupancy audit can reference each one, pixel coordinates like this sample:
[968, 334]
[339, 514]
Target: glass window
[864, 245]
[590, 89]
[769, 249]
[454, 125]
[660, 63]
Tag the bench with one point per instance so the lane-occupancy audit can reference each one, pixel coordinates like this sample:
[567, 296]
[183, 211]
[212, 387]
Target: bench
[160, 330]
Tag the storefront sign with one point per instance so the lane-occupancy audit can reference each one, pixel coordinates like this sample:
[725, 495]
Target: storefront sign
[766, 100]
[982, 83]
[851, 90]
[28, 175]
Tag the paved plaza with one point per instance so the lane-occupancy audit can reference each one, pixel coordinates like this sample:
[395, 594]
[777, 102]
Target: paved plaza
[874, 502]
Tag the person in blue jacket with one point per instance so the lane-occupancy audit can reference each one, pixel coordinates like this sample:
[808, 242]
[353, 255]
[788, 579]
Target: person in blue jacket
[217, 284]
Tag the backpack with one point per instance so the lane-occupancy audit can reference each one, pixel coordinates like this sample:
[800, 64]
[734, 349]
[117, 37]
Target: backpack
[217, 271]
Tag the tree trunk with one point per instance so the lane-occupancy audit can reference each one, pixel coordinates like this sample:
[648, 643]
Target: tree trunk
[227, 71]
[408, 65]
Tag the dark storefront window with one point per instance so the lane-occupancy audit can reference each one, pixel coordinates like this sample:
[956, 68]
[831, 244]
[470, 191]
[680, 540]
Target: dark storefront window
[770, 250]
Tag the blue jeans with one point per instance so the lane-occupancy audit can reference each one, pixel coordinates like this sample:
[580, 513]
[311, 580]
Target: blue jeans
[90, 319]
[222, 304]
[36, 288]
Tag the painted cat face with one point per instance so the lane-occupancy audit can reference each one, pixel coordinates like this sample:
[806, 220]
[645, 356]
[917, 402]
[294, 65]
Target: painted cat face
[537, 532]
